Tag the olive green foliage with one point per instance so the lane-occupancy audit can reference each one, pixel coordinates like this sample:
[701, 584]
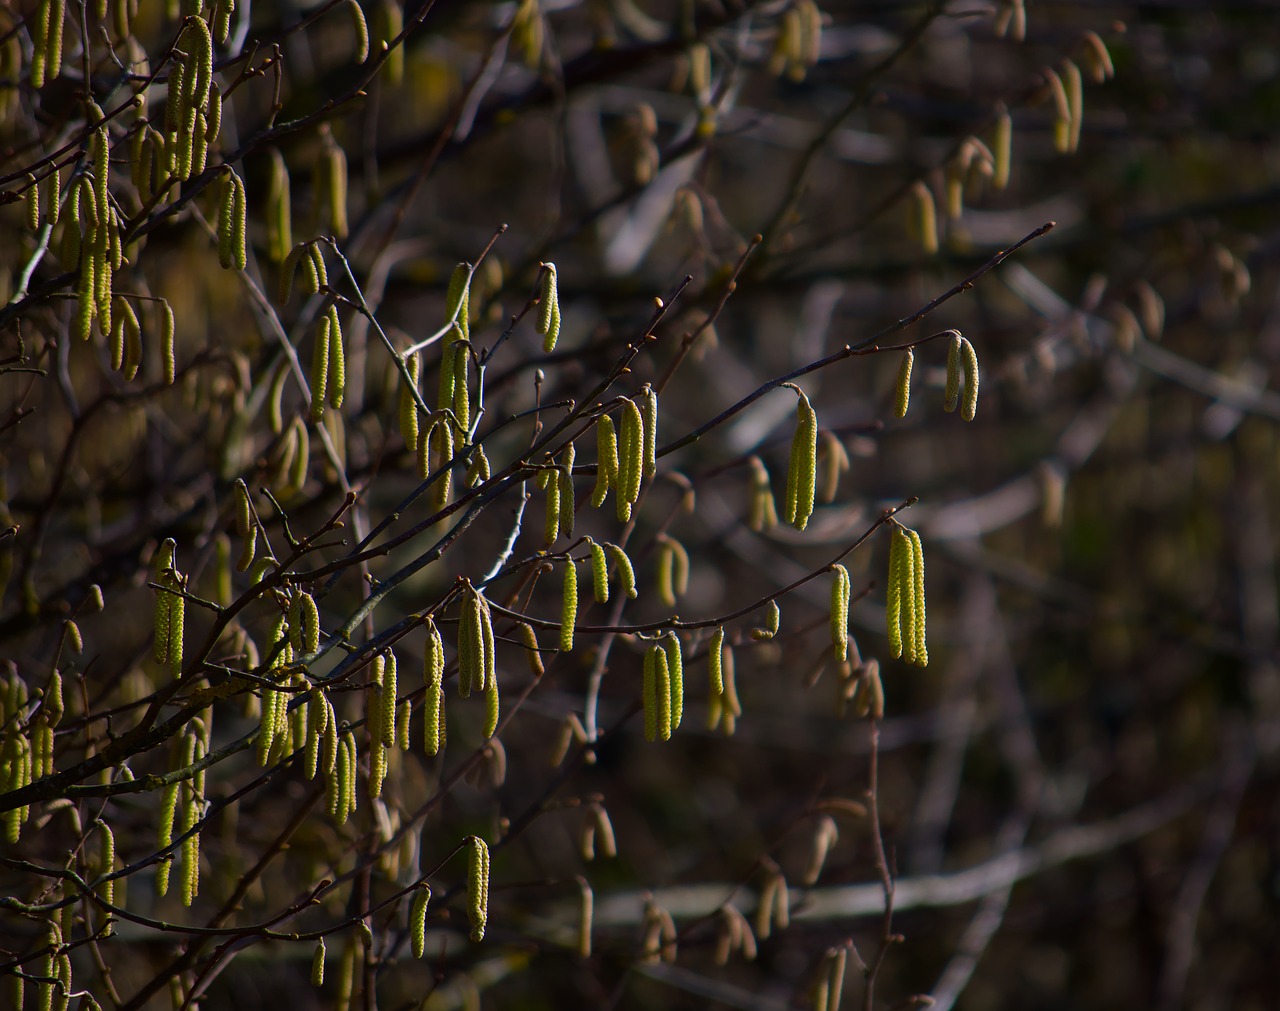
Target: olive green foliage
[398, 403]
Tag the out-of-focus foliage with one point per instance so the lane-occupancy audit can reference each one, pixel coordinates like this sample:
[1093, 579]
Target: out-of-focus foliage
[1073, 804]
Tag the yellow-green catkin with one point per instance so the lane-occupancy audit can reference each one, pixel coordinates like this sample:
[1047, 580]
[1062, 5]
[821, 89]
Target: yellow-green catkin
[408, 403]
[715, 662]
[630, 459]
[649, 413]
[919, 651]
[762, 511]
[548, 308]
[606, 459]
[899, 573]
[902, 390]
[656, 694]
[232, 222]
[317, 964]
[840, 594]
[333, 177]
[969, 364]
[418, 919]
[320, 368]
[1074, 87]
[802, 470]
[551, 527]
[773, 621]
[529, 640]
[599, 573]
[477, 886]
[360, 27]
[626, 573]
[564, 477]
[673, 570]
[433, 697]
[951, 392]
[675, 677]
[568, 605]
[389, 23]
[337, 378]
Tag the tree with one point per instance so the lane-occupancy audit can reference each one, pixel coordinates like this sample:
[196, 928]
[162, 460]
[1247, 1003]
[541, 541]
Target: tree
[470, 470]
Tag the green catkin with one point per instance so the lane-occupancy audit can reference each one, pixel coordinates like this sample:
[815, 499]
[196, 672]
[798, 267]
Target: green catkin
[100, 158]
[599, 573]
[361, 28]
[662, 692]
[626, 573]
[168, 354]
[568, 605]
[549, 308]
[802, 470]
[279, 210]
[773, 620]
[457, 300]
[106, 862]
[459, 361]
[529, 640]
[715, 662]
[32, 196]
[919, 652]
[840, 593]
[606, 460]
[389, 24]
[902, 391]
[168, 806]
[232, 222]
[492, 704]
[564, 476]
[50, 197]
[470, 647]
[390, 695]
[310, 615]
[337, 379]
[287, 272]
[478, 886]
[969, 362]
[190, 851]
[317, 964]
[1074, 86]
[951, 394]
[649, 412]
[404, 715]
[320, 369]
[418, 919]
[213, 117]
[551, 528]
[630, 459]
[899, 567]
[408, 404]
[675, 674]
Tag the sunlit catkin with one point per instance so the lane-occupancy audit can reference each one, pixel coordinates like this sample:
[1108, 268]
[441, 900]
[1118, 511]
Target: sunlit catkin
[477, 886]
[418, 919]
[715, 662]
[773, 621]
[969, 363]
[360, 28]
[548, 308]
[630, 459]
[656, 694]
[919, 652]
[649, 413]
[951, 393]
[899, 575]
[232, 222]
[675, 677]
[568, 605]
[470, 647]
[626, 574]
[902, 391]
[320, 368]
[606, 459]
[802, 470]
[599, 573]
[551, 523]
[840, 593]
[408, 404]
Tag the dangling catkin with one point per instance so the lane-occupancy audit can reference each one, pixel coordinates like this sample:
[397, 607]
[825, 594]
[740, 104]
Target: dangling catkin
[551, 526]
[470, 647]
[599, 574]
[802, 470]
[715, 662]
[969, 361]
[649, 414]
[763, 513]
[630, 459]
[833, 461]
[902, 391]
[925, 218]
[317, 964]
[626, 574]
[840, 592]
[477, 886]
[919, 652]
[606, 460]
[548, 308]
[418, 919]
[408, 405]
[529, 639]
[899, 572]
[675, 676]
[279, 212]
[361, 28]
[569, 605]
[951, 394]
